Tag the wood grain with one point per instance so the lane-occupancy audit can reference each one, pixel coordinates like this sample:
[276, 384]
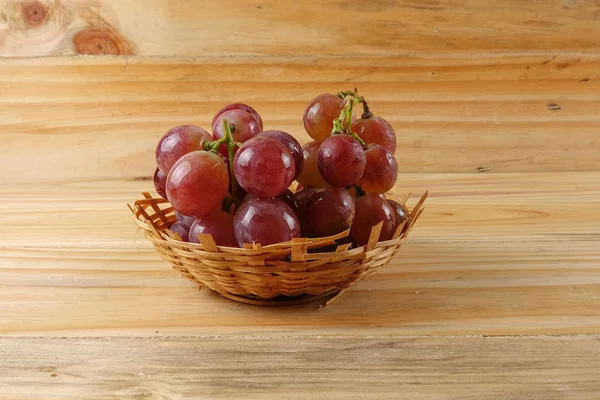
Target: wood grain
[494, 254]
[100, 118]
[243, 27]
[293, 367]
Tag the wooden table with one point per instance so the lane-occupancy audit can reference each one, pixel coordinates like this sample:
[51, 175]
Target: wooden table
[495, 296]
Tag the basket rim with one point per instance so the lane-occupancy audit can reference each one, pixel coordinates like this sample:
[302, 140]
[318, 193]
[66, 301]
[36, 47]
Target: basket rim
[145, 222]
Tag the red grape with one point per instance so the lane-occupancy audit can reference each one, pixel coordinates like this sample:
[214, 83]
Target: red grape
[266, 222]
[160, 181]
[243, 107]
[177, 142]
[330, 210]
[184, 219]
[301, 198]
[371, 210]
[341, 160]
[244, 126]
[310, 175]
[376, 130]
[218, 224]
[381, 170]
[197, 183]
[400, 213]
[181, 229]
[319, 115]
[287, 197]
[264, 167]
[291, 143]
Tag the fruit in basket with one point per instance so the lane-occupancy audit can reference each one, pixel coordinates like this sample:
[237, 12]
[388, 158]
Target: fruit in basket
[288, 198]
[160, 182]
[341, 160]
[197, 183]
[381, 170]
[219, 224]
[239, 106]
[243, 125]
[319, 115]
[400, 213]
[371, 209]
[177, 142]
[239, 179]
[301, 198]
[265, 221]
[329, 211]
[181, 229]
[291, 143]
[264, 167]
[375, 130]
[310, 175]
[184, 219]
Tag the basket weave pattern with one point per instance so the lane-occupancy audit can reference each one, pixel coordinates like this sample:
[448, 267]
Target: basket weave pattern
[297, 271]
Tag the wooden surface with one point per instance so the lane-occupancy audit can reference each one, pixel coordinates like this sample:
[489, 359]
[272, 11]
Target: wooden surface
[313, 27]
[452, 114]
[495, 296]
[285, 367]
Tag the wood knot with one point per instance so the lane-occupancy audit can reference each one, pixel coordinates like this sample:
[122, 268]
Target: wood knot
[553, 107]
[34, 13]
[98, 41]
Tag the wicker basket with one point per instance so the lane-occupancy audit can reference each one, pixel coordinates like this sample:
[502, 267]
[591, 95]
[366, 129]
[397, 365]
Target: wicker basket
[294, 272]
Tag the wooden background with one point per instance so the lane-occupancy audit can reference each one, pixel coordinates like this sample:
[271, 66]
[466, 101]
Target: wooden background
[496, 107]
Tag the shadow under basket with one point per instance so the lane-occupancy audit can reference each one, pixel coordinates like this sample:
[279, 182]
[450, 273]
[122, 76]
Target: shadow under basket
[299, 271]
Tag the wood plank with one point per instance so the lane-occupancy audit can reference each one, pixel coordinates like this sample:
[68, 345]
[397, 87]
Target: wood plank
[100, 118]
[494, 254]
[295, 368]
[243, 27]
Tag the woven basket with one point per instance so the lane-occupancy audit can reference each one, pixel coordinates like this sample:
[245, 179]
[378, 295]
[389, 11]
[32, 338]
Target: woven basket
[294, 272]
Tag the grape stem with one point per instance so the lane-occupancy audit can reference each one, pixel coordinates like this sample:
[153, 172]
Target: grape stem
[366, 111]
[231, 144]
[354, 94]
[341, 125]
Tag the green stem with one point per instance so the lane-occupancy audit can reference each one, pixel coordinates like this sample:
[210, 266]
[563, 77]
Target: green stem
[349, 114]
[231, 144]
[212, 146]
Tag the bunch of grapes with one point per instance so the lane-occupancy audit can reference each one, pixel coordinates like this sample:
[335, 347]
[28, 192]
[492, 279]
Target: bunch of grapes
[235, 184]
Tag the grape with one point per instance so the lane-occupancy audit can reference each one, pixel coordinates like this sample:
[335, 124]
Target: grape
[288, 198]
[376, 130]
[185, 219]
[330, 210]
[400, 213]
[244, 126]
[371, 210]
[266, 222]
[300, 200]
[197, 183]
[218, 224]
[381, 170]
[243, 107]
[248, 197]
[177, 142]
[310, 175]
[319, 115]
[291, 143]
[181, 229]
[341, 160]
[264, 167]
[160, 181]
